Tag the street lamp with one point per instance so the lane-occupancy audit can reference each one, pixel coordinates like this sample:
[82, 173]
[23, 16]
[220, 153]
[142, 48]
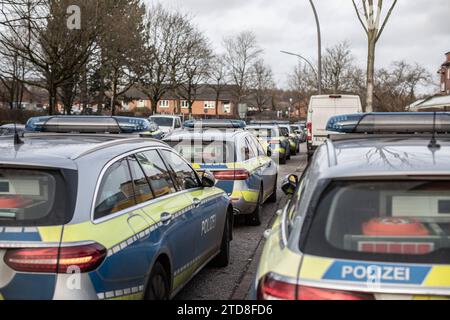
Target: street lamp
[319, 38]
[306, 60]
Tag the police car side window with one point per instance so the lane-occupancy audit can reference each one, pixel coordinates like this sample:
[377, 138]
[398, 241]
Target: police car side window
[142, 188]
[116, 191]
[184, 175]
[157, 173]
[251, 150]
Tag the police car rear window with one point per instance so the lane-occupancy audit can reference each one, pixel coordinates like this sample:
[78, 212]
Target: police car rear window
[205, 152]
[398, 221]
[35, 197]
[263, 132]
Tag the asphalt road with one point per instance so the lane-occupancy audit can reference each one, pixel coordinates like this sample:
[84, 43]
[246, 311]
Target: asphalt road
[233, 282]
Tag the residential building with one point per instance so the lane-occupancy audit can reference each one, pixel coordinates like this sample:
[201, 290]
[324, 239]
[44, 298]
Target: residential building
[204, 106]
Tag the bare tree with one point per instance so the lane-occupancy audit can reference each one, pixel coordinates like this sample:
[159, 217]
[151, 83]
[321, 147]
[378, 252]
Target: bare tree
[195, 67]
[396, 88]
[121, 45]
[262, 85]
[338, 68]
[373, 25]
[218, 77]
[241, 52]
[165, 37]
[36, 31]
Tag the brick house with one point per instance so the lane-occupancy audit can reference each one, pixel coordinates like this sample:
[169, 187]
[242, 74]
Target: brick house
[204, 106]
[445, 75]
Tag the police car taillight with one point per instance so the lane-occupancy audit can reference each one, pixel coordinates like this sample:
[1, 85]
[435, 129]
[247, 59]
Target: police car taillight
[231, 175]
[272, 288]
[56, 260]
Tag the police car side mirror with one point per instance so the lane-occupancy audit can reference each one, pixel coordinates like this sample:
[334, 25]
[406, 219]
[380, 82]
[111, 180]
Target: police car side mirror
[290, 184]
[208, 180]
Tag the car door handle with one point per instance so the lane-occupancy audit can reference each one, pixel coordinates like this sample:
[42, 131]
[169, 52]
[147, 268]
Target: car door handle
[196, 202]
[166, 218]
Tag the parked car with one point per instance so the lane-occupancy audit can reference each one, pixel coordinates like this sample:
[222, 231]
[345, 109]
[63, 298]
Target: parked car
[370, 217]
[129, 216]
[167, 123]
[275, 138]
[240, 164]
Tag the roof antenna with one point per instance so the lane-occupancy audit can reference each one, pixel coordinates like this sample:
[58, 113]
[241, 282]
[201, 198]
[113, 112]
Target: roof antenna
[17, 140]
[433, 145]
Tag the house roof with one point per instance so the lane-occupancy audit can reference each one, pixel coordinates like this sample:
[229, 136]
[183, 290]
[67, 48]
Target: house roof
[434, 102]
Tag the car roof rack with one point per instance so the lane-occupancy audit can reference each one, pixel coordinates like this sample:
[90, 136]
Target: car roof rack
[87, 124]
[381, 123]
[215, 124]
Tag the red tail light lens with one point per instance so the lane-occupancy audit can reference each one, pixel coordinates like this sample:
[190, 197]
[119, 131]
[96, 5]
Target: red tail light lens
[274, 142]
[309, 127]
[229, 175]
[272, 289]
[56, 260]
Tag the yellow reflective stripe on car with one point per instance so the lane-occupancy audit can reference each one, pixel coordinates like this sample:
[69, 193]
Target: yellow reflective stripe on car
[108, 233]
[314, 267]
[50, 234]
[136, 296]
[247, 195]
[1, 297]
[277, 259]
[438, 277]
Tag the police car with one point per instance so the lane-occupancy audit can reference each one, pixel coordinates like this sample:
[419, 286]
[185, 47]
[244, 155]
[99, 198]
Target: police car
[369, 218]
[91, 216]
[241, 166]
[93, 124]
[275, 137]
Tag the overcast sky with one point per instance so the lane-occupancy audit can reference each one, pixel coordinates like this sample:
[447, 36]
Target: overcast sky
[419, 30]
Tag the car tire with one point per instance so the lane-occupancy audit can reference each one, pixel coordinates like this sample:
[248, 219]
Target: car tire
[222, 260]
[273, 196]
[158, 288]
[254, 219]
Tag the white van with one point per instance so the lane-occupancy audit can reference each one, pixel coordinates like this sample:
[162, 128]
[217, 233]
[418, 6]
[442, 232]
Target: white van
[321, 109]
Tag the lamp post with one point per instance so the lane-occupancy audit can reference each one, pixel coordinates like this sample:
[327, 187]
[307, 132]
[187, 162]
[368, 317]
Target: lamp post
[319, 39]
[307, 61]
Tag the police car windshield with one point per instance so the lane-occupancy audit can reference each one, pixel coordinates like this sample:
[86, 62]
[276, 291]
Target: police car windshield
[33, 198]
[162, 121]
[403, 221]
[205, 152]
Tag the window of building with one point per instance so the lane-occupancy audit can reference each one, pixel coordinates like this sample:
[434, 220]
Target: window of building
[210, 104]
[184, 104]
[164, 104]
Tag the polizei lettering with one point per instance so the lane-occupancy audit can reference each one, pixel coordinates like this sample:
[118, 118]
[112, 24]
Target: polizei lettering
[380, 273]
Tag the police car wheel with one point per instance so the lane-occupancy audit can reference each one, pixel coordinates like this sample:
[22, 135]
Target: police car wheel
[158, 285]
[223, 258]
[273, 196]
[254, 219]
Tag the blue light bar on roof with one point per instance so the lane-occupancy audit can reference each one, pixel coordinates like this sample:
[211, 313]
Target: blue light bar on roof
[391, 122]
[218, 124]
[89, 124]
